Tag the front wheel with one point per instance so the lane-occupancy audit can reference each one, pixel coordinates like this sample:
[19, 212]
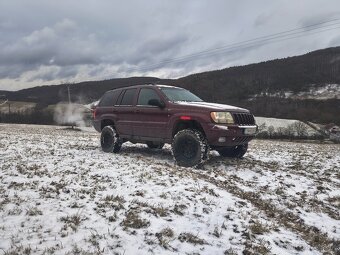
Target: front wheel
[109, 140]
[234, 152]
[190, 148]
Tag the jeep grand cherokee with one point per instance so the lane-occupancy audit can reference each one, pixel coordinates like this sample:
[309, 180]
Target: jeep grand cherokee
[159, 114]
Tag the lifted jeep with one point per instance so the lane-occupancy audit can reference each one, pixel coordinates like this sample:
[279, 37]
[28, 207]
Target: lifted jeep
[159, 114]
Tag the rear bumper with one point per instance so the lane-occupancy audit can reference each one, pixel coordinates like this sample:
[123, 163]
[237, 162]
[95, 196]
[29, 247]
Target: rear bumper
[223, 136]
[97, 125]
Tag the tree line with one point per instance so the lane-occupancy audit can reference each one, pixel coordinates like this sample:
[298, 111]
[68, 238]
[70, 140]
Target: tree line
[294, 131]
[38, 115]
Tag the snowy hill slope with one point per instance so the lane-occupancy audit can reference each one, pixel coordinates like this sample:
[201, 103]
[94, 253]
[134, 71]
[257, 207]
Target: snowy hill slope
[320, 92]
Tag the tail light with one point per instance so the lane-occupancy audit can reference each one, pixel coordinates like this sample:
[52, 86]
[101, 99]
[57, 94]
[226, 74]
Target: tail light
[185, 118]
[94, 112]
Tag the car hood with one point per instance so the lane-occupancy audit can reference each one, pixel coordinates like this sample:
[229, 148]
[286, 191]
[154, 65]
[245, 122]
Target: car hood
[212, 106]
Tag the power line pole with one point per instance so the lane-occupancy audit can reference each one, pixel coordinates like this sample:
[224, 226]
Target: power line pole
[69, 100]
[69, 94]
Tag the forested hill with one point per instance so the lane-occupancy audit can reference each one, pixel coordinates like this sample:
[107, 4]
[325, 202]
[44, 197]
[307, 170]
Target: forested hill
[292, 74]
[286, 88]
[85, 92]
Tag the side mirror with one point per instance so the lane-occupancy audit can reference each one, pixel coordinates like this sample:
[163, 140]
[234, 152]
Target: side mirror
[156, 102]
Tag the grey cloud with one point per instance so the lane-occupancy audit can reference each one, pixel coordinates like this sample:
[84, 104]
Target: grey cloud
[334, 41]
[262, 19]
[157, 49]
[311, 20]
[51, 73]
[68, 72]
[58, 45]
[45, 74]
[46, 42]
[12, 71]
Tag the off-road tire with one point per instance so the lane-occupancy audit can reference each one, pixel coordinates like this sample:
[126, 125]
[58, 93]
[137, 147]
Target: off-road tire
[190, 148]
[155, 145]
[109, 140]
[234, 152]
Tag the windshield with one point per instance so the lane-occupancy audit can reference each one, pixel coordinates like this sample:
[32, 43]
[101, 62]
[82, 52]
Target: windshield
[177, 94]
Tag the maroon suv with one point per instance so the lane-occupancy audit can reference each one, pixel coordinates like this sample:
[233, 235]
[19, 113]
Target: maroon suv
[159, 114]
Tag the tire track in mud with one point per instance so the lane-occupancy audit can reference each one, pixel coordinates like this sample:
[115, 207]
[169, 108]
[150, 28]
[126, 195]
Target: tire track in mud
[310, 234]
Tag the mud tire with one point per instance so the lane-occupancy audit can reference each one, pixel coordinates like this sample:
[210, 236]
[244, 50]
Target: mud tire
[190, 148]
[109, 140]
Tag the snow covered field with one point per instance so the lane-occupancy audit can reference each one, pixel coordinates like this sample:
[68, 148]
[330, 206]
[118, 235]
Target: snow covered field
[60, 194]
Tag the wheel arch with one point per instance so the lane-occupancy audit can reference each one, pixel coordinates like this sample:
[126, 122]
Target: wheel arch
[185, 124]
[106, 122]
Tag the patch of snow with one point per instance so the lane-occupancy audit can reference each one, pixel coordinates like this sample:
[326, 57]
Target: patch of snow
[324, 92]
[328, 91]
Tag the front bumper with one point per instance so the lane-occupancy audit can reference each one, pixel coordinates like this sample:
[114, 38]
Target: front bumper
[231, 135]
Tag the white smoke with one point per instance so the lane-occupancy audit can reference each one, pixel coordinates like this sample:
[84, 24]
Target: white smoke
[70, 114]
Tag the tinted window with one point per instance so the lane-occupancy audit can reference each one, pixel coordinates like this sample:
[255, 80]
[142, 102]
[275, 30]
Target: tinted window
[145, 95]
[128, 97]
[109, 98]
[178, 94]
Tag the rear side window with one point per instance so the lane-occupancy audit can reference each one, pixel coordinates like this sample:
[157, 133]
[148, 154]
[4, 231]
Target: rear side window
[128, 97]
[145, 95]
[109, 98]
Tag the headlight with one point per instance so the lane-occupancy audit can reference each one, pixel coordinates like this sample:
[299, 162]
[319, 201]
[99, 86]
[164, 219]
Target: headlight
[222, 117]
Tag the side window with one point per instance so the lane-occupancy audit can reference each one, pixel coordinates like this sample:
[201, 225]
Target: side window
[109, 98]
[145, 95]
[128, 97]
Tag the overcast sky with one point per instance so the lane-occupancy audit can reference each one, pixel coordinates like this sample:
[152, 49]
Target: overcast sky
[51, 42]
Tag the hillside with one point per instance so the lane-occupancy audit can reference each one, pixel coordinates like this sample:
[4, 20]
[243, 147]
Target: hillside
[274, 77]
[302, 87]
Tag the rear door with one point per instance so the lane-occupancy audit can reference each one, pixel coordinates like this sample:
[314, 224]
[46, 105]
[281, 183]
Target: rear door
[151, 121]
[126, 112]
[105, 108]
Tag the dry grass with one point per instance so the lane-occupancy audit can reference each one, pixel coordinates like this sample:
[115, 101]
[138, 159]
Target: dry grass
[165, 236]
[191, 238]
[73, 221]
[133, 220]
[258, 228]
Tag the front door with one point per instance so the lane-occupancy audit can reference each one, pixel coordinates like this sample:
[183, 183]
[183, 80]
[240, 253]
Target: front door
[151, 121]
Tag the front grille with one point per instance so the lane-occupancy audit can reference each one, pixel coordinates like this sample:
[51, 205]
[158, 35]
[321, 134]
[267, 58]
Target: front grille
[244, 119]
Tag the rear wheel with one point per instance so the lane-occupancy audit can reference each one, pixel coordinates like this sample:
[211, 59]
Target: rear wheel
[109, 140]
[155, 145]
[233, 152]
[190, 148]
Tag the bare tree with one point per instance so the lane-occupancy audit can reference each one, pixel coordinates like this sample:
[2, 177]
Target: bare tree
[271, 131]
[281, 131]
[289, 131]
[262, 127]
[300, 128]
